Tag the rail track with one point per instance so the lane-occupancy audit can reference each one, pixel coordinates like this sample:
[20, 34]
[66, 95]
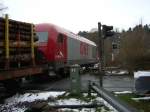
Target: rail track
[28, 86]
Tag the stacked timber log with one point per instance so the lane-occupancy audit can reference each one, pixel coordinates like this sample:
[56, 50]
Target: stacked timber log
[16, 44]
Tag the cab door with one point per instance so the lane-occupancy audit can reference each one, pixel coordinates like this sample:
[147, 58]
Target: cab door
[61, 48]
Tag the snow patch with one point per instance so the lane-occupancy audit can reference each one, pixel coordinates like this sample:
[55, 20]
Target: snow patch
[141, 98]
[141, 74]
[121, 72]
[30, 97]
[123, 92]
[71, 101]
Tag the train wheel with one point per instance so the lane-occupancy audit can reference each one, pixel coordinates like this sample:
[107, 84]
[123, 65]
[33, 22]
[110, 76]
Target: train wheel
[67, 72]
[44, 77]
[63, 72]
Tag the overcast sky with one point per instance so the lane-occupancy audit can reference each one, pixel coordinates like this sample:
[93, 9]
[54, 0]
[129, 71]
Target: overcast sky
[77, 15]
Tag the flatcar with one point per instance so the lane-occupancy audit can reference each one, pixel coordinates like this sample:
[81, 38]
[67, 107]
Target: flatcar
[62, 48]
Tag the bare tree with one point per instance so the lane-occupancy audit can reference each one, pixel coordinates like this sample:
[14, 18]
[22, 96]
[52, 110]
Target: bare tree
[134, 50]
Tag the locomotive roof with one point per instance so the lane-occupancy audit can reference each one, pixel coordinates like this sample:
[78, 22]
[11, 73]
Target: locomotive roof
[70, 34]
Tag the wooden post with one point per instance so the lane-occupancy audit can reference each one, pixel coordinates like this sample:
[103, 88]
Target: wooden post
[7, 42]
[32, 45]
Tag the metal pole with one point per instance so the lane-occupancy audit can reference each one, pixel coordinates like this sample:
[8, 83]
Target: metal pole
[112, 100]
[89, 88]
[101, 55]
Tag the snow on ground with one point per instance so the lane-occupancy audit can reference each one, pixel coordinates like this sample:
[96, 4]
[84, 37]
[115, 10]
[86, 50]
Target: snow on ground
[123, 92]
[73, 101]
[11, 104]
[141, 98]
[141, 73]
[30, 97]
[120, 72]
[19, 103]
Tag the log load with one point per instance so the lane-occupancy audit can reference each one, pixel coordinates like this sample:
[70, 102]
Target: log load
[17, 44]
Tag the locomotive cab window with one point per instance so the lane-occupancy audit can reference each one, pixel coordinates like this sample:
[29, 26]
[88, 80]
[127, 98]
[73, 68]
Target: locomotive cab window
[42, 36]
[60, 38]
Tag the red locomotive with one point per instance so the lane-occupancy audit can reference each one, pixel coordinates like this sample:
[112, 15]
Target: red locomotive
[62, 48]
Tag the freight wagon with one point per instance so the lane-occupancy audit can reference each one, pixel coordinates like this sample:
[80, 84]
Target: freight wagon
[17, 52]
[45, 49]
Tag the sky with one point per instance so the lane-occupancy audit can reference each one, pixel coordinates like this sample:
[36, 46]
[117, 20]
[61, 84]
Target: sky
[80, 15]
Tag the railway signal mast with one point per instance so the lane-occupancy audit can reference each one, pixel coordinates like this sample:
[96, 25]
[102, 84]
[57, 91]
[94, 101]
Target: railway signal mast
[104, 31]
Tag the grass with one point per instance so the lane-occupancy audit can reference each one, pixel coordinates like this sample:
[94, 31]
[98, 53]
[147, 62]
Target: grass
[142, 105]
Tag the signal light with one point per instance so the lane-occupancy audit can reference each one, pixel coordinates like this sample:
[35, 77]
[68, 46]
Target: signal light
[107, 31]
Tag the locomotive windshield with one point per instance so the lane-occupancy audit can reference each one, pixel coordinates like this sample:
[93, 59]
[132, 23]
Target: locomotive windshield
[42, 36]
